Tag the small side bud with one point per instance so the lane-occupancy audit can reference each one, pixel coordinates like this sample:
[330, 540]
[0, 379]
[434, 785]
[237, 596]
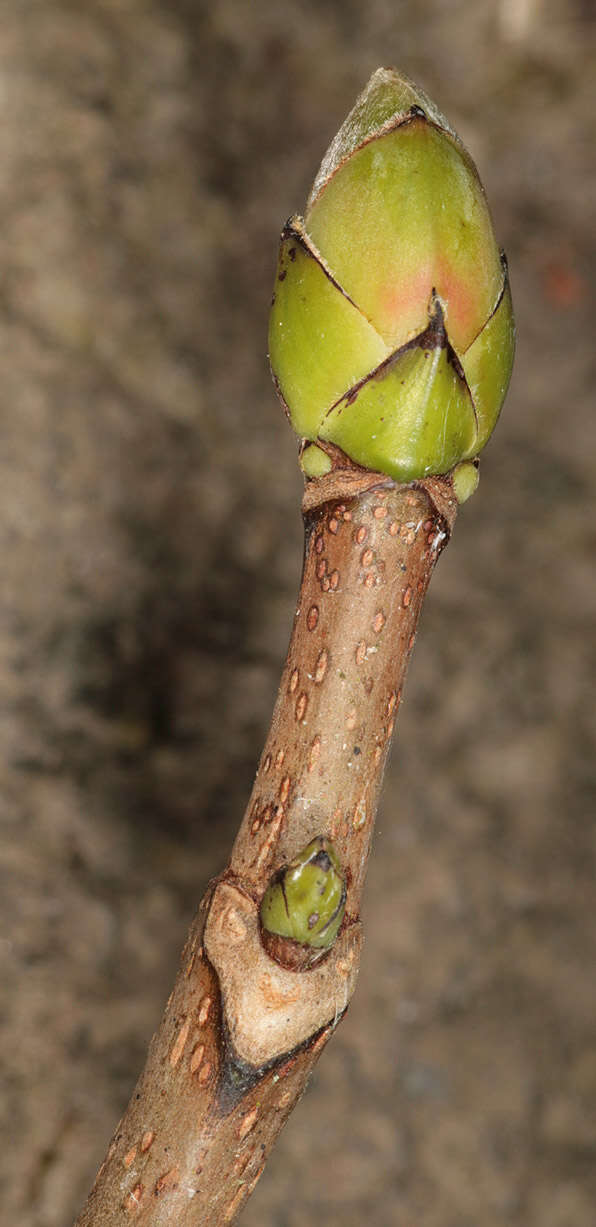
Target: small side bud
[465, 479]
[314, 462]
[303, 907]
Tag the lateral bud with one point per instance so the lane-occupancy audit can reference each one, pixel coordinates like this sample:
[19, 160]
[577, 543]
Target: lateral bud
[303, 907]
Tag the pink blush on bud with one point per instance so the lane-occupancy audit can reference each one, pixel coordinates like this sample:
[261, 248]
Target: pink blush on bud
[403, 307]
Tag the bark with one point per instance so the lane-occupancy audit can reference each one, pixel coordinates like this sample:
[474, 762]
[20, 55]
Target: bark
[240, 1034]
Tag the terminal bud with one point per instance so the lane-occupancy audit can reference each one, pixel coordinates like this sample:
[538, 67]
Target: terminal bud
[391, 332]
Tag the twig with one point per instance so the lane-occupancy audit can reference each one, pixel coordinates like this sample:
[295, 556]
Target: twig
[265, 976]
[240, 1034]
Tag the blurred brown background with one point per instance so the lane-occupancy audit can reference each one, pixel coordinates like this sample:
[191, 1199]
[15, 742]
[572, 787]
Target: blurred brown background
[151, 548]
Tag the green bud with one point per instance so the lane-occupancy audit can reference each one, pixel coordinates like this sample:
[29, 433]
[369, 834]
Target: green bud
[314, 462]
[465, 480]
[391, 331]
[304, 904]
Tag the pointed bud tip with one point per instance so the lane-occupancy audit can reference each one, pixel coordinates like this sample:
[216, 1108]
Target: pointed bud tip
[388, 98]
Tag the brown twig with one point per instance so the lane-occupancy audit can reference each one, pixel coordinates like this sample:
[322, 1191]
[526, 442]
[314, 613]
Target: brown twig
[240, 1034]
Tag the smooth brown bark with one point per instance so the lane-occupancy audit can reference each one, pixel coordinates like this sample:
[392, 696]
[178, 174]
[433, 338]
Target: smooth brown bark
[240, 1034]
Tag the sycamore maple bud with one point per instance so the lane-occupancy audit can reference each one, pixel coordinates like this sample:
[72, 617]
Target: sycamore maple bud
[303, 906]
[391, 331]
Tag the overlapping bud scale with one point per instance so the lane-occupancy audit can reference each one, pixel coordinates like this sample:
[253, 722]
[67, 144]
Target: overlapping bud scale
[391, 332]
[305, 901]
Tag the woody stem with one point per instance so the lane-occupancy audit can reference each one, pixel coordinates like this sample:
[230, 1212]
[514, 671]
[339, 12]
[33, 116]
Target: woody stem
[240, 1034]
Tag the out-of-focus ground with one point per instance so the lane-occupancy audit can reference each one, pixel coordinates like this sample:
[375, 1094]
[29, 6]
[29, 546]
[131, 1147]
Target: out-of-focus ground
[151, 548]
